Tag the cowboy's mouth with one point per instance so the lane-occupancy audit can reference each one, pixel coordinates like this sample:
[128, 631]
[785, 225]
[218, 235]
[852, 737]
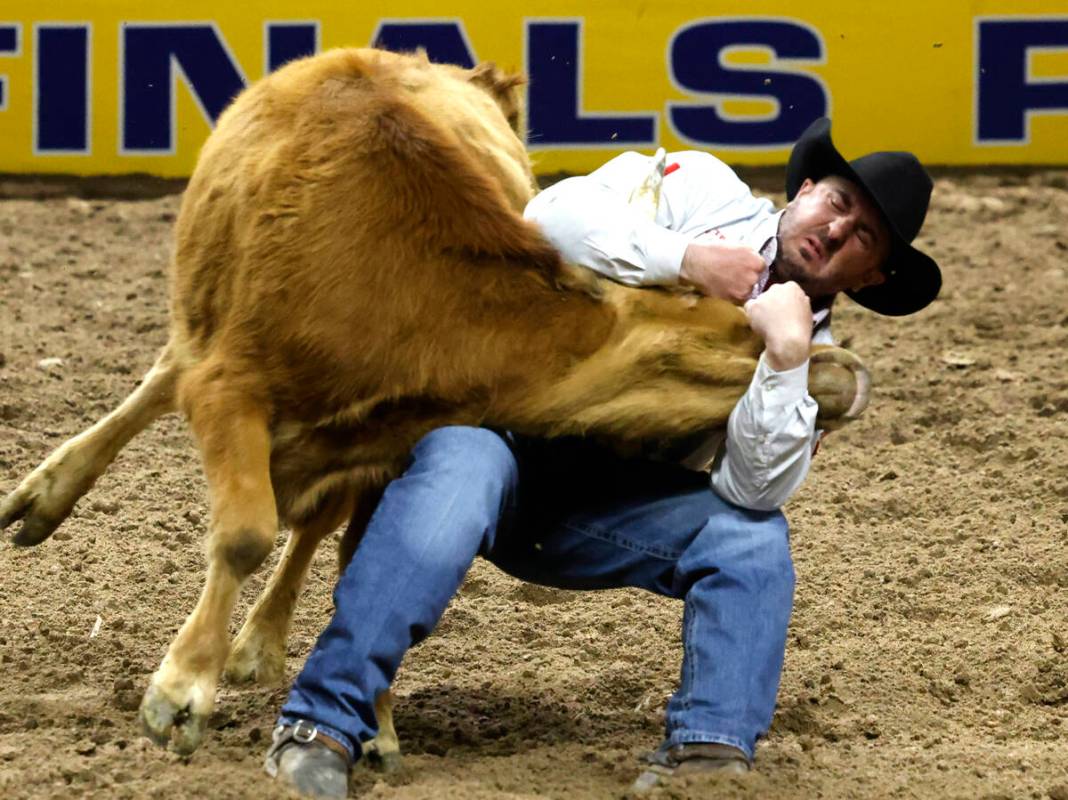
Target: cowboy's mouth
[813, 247]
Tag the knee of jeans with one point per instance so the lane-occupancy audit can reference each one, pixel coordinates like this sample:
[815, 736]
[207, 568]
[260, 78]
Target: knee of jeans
[768, 550]
[747, 546]
[477, 455]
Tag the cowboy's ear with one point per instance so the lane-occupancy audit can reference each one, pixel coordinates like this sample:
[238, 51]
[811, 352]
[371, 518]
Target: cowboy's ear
[807, 185]
[872, 279]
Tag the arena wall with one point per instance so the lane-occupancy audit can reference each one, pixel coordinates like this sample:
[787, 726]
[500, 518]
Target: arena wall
[89, 88]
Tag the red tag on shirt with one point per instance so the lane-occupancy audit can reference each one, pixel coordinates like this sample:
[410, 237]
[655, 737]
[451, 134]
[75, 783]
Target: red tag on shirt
[670, 168]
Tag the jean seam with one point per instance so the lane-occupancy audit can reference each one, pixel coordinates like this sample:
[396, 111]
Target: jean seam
[610, 538]
[688, 638]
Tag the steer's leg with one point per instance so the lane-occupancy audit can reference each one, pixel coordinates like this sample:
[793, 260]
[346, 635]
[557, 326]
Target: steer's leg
[361, 515]
[231, 431]
[47, 495]
[259, 650]
[383, 752]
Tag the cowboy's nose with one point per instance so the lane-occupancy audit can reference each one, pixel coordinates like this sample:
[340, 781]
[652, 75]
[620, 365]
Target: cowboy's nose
[837, 230]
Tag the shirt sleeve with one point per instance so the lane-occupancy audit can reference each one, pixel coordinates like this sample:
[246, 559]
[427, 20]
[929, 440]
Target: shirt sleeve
[593, 226]
[770, 437]
[590, 221]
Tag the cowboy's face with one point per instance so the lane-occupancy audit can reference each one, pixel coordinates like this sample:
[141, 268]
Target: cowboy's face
[831, 238]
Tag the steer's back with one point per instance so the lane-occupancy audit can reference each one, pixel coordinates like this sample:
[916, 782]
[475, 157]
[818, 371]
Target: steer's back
[352, 235]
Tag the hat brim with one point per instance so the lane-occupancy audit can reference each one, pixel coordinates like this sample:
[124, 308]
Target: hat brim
[913, 279]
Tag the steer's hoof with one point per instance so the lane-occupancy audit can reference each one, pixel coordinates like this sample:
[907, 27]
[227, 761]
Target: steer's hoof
[22, 504]
[388, 763]
[250, 661]
[840, 383]
[165, 722]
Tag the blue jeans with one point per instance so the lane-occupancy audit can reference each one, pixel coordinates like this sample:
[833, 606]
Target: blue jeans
[568, 514]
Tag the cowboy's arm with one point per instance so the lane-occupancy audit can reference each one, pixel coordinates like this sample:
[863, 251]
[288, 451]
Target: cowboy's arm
[770, 437]
[591, 222]
[771, 433]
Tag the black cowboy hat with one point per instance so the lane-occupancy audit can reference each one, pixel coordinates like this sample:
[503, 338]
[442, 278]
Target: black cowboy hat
[900, 188]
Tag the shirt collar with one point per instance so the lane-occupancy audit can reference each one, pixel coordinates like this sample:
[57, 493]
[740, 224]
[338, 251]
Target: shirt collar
[764, 238]
[767, 228]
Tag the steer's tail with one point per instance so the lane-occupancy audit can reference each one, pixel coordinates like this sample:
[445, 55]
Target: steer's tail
[47, 495]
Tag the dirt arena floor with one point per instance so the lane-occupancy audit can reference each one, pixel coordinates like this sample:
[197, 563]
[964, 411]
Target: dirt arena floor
[929, 650]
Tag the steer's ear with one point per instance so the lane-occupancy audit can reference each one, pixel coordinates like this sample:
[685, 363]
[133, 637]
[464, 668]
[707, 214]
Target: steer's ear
[493, 78]
[503, 88]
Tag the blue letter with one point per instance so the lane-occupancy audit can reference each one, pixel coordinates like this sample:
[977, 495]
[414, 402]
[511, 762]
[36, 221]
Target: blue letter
[555, 98]
[152, 52]
[9, 46]
[697, 65]
[289, 40]
[444, 42]
[61, 118]
[1005, 94]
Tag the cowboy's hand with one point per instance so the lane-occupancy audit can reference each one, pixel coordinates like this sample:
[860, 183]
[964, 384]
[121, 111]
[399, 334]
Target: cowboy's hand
[728, 271]
[782, 317]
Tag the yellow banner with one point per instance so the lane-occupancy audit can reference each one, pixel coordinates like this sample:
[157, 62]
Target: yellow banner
[118, 87]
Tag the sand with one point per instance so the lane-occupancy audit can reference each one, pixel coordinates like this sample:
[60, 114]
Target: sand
[927, 655]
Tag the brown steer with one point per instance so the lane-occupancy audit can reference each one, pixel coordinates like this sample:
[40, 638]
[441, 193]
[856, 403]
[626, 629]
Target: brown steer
[352, 270]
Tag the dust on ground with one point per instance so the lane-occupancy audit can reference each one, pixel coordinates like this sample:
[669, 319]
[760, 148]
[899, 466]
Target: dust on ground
[927, 656]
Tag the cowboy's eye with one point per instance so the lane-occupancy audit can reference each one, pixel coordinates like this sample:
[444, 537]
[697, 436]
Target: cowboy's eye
[836, 202]
[865, 238]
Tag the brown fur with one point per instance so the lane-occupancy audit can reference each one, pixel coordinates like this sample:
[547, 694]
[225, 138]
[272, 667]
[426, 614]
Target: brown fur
[352, 270]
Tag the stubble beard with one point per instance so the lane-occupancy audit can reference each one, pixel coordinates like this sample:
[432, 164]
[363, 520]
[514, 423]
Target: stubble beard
[787, 268]
[791, 266]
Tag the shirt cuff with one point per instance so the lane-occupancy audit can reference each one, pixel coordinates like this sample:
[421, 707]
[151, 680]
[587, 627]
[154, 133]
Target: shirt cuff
[782, 387]
[663, 250]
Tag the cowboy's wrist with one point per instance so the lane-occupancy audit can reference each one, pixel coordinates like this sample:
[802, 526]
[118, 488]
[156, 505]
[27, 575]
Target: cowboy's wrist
[690, 273]
[784, 353]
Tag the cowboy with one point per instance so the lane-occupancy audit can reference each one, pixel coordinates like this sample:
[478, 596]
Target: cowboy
[570, 514]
